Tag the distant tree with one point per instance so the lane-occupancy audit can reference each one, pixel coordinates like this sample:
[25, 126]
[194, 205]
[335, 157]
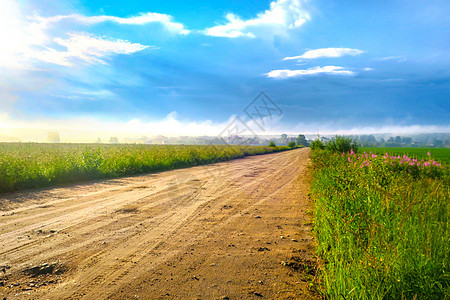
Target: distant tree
[113, 140]
[398, 139]
[301, 140]
[272, 144]
[283, 138]
[53, 137]
[406, 140]
[292, 145]
[438, 143]
[99, 141]
[382, 141]
[391, 140]
[371, 139]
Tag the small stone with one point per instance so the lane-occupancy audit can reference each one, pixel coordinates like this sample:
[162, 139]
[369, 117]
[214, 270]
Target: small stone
[225, 298]
[258, 294]
[294, 240]
[282, 237]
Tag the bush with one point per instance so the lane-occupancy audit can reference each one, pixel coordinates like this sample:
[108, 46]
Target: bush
[292, 145]
[341, 144]
[317, 145]
[272, 144]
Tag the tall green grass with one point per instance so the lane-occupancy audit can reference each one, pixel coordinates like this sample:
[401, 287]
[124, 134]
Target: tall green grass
[381, 227]
[31, 165]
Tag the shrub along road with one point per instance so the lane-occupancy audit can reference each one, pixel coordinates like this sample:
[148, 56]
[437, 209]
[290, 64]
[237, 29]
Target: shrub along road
[237, 229]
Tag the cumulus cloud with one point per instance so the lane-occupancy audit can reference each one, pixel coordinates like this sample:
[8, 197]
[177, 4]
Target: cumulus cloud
[282, 15]
[333, 70]
[326, 52]
[142, 19]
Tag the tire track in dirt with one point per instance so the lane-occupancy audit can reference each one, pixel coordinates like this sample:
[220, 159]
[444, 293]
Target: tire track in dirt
[111, 234]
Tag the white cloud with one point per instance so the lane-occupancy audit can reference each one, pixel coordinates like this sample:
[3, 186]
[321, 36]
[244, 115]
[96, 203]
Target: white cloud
[88, 48]
[25, 40]
[326, 52]
[396, 58]
[142, 19]
[17, 35]
[368, 69]
[286, 73]
[282, 15]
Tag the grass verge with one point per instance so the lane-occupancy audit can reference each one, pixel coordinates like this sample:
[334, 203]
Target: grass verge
[381, 224]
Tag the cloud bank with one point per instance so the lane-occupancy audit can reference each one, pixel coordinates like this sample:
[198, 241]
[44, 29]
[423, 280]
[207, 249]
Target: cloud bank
[88, 129]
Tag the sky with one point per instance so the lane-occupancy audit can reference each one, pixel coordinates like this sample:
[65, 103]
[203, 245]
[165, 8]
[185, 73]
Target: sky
[193, 67]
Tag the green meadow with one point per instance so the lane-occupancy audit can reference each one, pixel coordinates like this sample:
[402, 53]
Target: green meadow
[31, 165]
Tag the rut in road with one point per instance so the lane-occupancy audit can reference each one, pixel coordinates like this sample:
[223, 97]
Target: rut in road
[125, 237]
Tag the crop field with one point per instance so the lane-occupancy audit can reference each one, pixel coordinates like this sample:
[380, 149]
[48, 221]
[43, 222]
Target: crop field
[381, 223]
[30, 165]
[439, 154]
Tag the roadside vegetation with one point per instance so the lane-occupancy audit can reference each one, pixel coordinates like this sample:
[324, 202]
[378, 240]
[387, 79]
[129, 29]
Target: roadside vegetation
[28, 165]
[381, 222]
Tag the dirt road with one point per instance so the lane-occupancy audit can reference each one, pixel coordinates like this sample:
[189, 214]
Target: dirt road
[237, 229]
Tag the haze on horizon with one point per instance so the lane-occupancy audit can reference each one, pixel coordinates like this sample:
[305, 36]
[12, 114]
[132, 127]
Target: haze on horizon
[147, 68]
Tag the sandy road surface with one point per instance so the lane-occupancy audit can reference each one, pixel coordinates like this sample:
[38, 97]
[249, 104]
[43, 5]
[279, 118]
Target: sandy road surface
[236, 229]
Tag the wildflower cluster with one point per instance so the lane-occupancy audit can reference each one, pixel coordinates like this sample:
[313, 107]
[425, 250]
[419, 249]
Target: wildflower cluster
[393, 164]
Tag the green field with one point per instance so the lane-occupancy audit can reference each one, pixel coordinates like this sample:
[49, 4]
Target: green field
[439, 154]
[31, 165]
[381, 224]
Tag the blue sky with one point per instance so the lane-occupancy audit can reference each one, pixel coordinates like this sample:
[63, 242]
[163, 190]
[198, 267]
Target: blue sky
[177, 68]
